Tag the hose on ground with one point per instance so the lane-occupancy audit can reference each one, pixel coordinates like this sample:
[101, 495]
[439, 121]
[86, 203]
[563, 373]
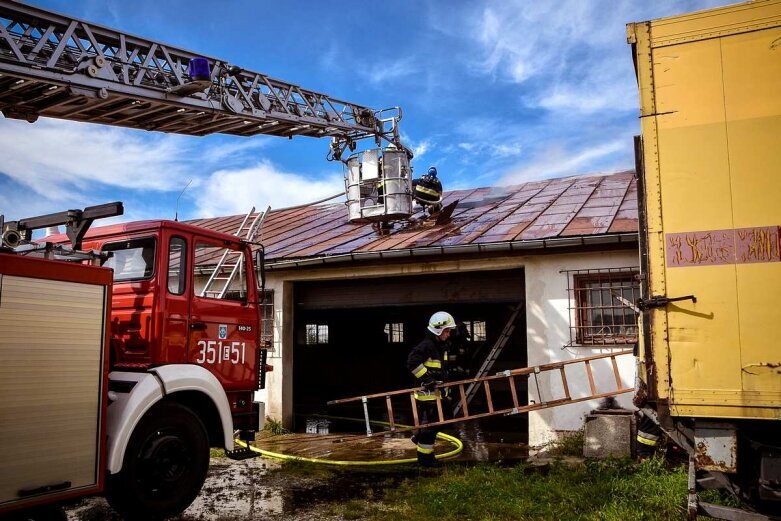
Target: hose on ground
[459, 446]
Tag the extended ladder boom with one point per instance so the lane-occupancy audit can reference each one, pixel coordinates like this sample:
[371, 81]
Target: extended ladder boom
[56, 66]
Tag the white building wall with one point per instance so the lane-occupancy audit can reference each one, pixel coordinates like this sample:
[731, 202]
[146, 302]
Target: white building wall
[280, 358]
[548, 319]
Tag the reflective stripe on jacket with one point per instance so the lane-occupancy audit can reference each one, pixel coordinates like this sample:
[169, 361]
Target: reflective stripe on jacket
[428, 361]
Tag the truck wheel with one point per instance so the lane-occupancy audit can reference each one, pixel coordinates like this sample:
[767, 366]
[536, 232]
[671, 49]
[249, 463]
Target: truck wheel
[164, 466]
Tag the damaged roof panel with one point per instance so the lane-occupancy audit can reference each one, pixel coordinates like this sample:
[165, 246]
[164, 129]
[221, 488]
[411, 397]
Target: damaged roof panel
[546, 209]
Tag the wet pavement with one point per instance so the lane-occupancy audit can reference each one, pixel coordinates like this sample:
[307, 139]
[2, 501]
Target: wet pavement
[264, 488]
[268, 489]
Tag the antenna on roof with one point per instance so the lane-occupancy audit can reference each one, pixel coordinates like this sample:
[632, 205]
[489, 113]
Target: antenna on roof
[176, 213]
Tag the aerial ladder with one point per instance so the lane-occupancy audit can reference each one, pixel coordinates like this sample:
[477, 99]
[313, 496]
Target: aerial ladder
[58, 66]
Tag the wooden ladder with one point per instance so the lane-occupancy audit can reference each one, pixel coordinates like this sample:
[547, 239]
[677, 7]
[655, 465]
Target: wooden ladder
[493, 354]
[485, 382]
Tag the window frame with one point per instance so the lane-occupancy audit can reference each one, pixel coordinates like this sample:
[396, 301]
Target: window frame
[391, 332]
[470, 327]
[183, 267]
[130, 241]
[204, 242]
[582, 307]
[266, 304]
[317, 334]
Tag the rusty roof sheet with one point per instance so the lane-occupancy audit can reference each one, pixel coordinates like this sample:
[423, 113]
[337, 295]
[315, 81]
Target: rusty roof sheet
[564, 207]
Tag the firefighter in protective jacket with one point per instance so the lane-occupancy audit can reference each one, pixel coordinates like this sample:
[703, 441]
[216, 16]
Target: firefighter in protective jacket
[427, 191]
[428, 363]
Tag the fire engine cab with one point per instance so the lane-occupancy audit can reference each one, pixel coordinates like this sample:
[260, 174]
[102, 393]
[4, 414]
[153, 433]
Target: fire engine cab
[123, 366]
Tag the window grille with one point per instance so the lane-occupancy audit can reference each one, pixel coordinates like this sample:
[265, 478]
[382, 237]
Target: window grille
[601, 304]
[395, 332]
[316, 334]
[267, 319]
[476, 329]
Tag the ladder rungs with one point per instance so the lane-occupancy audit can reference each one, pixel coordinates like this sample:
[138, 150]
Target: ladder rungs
[492, 408]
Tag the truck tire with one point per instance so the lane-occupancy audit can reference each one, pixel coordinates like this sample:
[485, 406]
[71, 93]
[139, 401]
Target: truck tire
[164, 466]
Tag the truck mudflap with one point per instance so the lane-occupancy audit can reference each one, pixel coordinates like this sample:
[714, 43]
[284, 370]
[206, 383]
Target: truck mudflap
[247, 436]
[133, 394]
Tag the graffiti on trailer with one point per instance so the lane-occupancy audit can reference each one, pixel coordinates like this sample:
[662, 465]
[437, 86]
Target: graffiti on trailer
[739, 246]
[758, 244]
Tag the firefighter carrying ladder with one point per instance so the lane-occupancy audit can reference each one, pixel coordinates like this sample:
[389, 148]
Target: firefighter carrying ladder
[485, 382]
[232, 261]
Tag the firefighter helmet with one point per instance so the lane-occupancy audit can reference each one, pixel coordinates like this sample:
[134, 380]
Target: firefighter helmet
[440, 321]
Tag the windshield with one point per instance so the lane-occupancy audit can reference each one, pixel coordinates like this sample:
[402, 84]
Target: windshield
[131, 260]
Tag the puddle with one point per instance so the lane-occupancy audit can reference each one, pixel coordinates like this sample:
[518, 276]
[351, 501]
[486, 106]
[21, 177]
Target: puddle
[342, 446]
[488, 439]
[498, 439]
[266, 488]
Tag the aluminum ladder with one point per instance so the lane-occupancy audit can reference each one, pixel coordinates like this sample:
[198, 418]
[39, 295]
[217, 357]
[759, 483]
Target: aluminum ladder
[232, 261]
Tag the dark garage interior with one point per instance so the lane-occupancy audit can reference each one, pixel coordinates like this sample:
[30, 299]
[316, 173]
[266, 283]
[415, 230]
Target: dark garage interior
[352, 337]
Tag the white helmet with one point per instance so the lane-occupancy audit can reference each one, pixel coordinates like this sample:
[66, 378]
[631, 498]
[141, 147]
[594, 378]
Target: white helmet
[440, 321]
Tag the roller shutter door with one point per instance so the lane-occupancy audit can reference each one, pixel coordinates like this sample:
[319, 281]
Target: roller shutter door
[462, 287]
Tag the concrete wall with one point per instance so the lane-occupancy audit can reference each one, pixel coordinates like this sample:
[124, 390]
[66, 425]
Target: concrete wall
[547, 318]
[548, 322]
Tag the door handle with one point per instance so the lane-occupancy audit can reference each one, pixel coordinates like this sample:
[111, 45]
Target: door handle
[198, 326]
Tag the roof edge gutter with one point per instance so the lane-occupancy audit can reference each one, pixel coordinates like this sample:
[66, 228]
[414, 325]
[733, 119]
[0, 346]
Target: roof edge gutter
[429, 251]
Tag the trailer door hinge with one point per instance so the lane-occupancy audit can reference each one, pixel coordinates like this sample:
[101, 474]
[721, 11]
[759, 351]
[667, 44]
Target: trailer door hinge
[659, 301]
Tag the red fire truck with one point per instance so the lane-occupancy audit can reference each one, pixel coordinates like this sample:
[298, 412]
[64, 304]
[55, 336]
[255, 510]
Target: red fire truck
[136, 362]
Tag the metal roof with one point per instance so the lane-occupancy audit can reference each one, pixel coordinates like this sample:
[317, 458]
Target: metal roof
[533, 214]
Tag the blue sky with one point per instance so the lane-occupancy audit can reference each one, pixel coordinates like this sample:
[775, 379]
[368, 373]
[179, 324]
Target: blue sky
[493, 93]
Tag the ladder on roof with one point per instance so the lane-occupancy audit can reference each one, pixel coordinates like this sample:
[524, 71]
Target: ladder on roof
[232, 261]
[494, 409]
[493, 354]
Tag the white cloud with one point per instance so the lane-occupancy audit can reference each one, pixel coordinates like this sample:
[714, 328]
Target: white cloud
[384, 71]
[506, 149]
[556, 161]
[421, 148]
[229, 192]
[595, 92]
[516, 37]
[81, 165]
[489, 138]
[570, 55]
[59, 159]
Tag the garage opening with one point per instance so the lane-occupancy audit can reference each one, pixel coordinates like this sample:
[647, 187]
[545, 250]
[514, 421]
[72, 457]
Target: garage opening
[353, 337]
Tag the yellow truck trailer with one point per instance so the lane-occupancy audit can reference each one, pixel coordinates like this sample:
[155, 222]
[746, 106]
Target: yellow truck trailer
[709, 160]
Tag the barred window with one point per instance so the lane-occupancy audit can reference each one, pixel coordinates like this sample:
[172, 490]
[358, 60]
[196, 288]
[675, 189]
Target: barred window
[604, 306]
[267, 319]
[476, 329]
[316, 334]
[395, 332]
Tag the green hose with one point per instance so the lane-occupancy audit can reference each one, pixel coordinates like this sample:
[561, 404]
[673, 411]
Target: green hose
[441, 435]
